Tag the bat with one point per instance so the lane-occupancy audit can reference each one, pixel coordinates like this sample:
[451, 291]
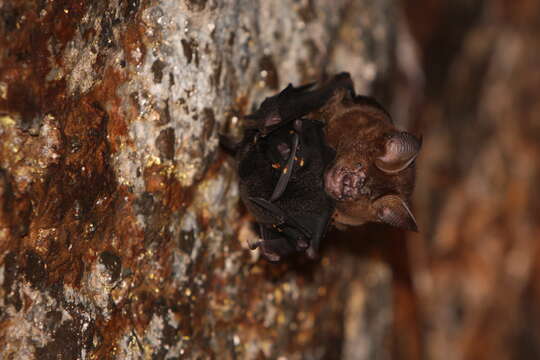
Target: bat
[281, 162]
[312, 155]
[372, 178]
[281, 184]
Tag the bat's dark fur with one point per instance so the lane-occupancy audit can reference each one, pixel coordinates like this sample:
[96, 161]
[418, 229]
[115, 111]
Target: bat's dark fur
[290, 181]
[282, 186]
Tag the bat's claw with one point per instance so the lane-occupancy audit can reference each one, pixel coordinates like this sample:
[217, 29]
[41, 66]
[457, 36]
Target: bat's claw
[312, 253]
[301, 245]
[270, 255]
[254, 244]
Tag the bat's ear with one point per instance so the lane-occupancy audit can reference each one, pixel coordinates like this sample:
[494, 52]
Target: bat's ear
[393, 211]
[400, 150]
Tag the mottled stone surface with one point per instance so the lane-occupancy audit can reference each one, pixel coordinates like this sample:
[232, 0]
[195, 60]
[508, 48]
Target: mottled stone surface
[121, 234]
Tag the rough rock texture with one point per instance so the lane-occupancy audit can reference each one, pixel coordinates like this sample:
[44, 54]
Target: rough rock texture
[476, 262]
[121, 234]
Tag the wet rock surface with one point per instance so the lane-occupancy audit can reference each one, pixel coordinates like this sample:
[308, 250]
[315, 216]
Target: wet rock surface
[121, 234]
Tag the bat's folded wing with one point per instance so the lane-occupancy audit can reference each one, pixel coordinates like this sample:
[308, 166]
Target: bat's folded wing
[294, 103]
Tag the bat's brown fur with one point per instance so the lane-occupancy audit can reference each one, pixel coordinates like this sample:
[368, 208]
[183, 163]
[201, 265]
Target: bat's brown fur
[358, 128]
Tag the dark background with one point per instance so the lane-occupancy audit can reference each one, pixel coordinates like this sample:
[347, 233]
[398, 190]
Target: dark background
[470, 288]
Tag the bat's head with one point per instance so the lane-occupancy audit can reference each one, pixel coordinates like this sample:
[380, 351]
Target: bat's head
[373, 175]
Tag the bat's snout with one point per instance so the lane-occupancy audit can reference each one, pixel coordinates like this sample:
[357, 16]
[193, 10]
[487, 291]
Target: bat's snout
[344, 183]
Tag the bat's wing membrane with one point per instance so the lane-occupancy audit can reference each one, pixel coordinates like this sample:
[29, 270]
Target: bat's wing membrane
[294, 103]
[287, 171]
[281, 217]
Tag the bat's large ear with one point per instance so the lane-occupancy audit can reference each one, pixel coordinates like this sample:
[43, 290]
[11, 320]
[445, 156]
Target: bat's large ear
[400, 150]
[393, 211]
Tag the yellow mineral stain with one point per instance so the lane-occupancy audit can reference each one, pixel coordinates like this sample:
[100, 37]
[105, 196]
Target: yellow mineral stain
[7, 121]
[278, 295]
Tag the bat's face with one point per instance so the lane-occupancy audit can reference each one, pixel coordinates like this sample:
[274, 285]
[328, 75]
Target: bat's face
[373, 175]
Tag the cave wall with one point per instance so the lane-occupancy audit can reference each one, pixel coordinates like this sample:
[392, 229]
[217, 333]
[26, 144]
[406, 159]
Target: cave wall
[121, 233]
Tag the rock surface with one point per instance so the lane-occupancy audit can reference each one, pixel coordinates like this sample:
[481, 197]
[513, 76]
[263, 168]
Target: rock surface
[121, 234]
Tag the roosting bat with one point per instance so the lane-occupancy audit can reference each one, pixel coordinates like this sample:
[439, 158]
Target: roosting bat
[293, 184]
[373, 175]
[281, 161]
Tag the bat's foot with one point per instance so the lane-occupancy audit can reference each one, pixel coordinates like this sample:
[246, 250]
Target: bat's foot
[265, 251]
[268, 253]
[301, 245]
[253, 245]
[312, 253]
